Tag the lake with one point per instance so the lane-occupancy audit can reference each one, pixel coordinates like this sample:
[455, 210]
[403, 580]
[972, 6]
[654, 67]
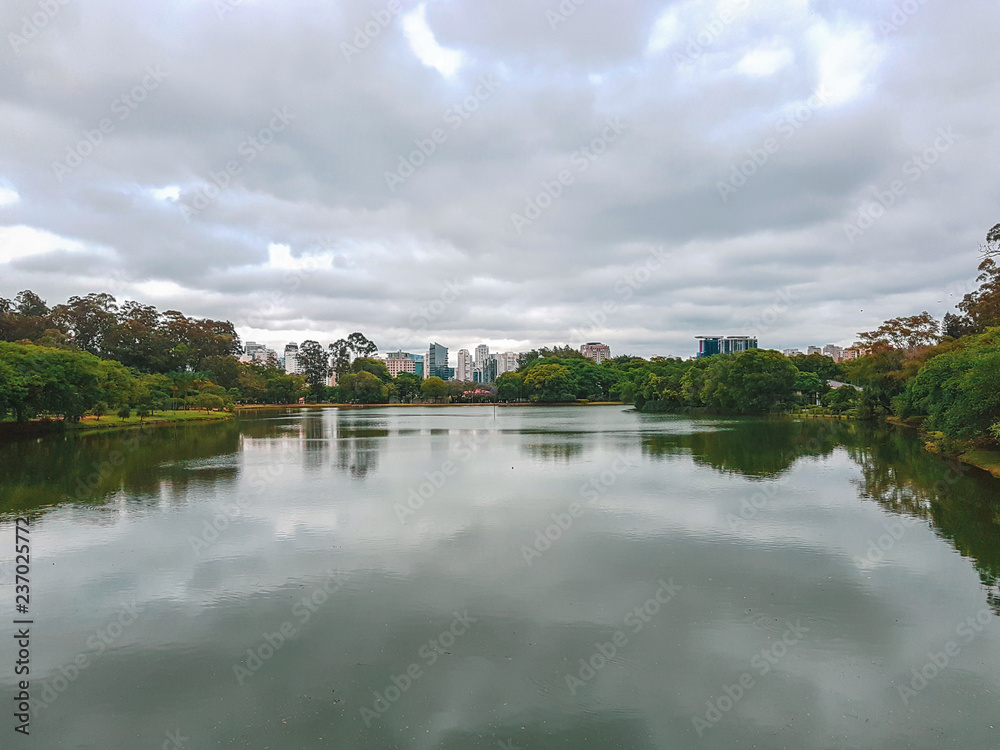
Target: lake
[548, 577]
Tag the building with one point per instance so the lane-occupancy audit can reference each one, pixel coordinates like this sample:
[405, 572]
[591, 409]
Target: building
[711, 345]
[482, 354]
[834, 352]
[853, 353]
[292, 360]
[436, 364]
[507, 362]
[596, 351]
[259, 354]
[791, 352]
[418, 360]
[814, 350]
[397, 365]
[464, 366]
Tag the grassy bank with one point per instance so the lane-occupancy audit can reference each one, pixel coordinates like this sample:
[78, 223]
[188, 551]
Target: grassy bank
[157, 419]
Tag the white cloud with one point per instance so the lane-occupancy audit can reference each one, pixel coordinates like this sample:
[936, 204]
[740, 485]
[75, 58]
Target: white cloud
[846, 58]
[22, 241]
[8, 195]
[426, 47]
[763, 62]
[666, 31]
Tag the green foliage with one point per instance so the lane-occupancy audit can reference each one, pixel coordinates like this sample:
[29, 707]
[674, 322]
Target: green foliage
[434, 387]
[548, 382]
[124, 413]
[820, 364]
[510, 387]
[841, 399]
[958, 391]
[363, 388]
[407, 386]
[376, 367]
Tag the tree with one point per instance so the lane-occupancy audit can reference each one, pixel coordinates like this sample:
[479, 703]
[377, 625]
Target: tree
[124, 413]
[407, 386]
[361, 346]
[434, 387]
[315, 365]
[548, 382]
[209, 401]
[340, 354]
[510, 387]
[363, 387]
[100, 409]
[810, 385]
[376, 367]
[143, 411]
[982, 306]
[903, 333]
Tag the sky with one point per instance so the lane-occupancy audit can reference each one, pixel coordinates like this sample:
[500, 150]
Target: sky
[519, 174]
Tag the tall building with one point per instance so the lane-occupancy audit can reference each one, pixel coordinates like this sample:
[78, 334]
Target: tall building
[482, 354]
[711, 345]
[418, 360]
[814, 350]
[596, 351]
[396, 365]
[464, 366]
[436, 364]
[507, 362]
[292, 359]
[836, 352]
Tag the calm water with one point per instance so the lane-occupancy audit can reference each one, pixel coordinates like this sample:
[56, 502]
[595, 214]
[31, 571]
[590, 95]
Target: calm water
[554, 578]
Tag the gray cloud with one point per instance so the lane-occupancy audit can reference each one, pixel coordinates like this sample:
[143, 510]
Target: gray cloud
[702, 100]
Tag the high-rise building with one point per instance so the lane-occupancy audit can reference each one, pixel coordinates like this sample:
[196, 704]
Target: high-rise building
[292, 359]
[814, 350]
[436, 365]
[464, 366]
[596, 351]
[418, 360]
[711, 345]
[482, 354]
[396, 365]
[507, 362]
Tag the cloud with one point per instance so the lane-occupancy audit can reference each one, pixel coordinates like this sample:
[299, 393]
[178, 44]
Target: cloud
[310, 219]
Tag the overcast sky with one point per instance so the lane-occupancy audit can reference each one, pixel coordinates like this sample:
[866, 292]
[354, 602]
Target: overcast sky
[713, 166]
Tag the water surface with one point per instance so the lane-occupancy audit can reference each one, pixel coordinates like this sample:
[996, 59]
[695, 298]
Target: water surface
[548, 578]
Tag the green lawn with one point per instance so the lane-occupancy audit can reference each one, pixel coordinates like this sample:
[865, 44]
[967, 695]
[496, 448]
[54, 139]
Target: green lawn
[110, 421]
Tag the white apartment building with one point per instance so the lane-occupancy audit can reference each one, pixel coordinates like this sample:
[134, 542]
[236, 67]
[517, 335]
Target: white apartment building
[464, 366]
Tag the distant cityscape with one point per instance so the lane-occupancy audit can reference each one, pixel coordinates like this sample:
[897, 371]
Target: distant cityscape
[483, 366]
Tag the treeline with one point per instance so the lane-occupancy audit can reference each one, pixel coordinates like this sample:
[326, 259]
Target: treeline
[137, 335]
[945, 376]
